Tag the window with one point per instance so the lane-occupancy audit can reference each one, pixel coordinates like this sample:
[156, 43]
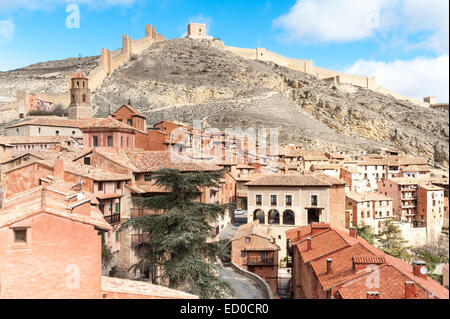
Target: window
[39, 130]
[84, 98]
[110, 141]
[20, 236]
[258, 199]
[117, 207]
[118, 185]
[242, 253]
[95, 141]
[368, 214]
[314, 200]
[101, 207]
[128, 141]
[288, 200]
[100, 186]
[247, 239]
[147, 178]
[57, 133]
[121, 141]
[264, 255]
[73, 132]
[130, 122]
[273, 200]
[87, 161]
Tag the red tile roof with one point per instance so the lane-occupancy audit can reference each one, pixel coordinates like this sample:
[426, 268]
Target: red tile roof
[79, 75]
[132, 109]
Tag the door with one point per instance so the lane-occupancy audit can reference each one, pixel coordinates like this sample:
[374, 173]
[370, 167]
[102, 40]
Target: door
[313, 215]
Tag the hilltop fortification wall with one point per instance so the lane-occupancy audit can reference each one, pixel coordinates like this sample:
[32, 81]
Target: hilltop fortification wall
[306, 66]
[109, 61]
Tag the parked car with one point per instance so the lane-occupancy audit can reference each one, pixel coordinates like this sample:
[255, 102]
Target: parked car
[239, 212]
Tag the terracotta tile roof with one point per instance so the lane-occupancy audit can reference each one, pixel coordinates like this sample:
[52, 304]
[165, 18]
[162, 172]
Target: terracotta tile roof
[289, 180]
[325, 166]
[391, 285]
[148, 187]
[134, 287]
[253, 228]
[132, 109]
[430, 187]
[364, 197]
[29, 203]
[152, 161]
[109, 196]
[416, 168]
[342, 266]
[33, 139]
[107, 123]
[79, 75]
[51, 121]
[343, 249]
[369, 259]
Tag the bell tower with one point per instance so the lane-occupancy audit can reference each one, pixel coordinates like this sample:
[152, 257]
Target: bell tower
[80, 96]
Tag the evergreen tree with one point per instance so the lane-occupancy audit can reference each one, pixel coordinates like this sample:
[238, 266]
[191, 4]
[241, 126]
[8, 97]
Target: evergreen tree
[366, 232]
[392, 242]
[177, 238]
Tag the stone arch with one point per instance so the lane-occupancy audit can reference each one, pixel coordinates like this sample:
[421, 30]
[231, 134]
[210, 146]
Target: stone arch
[288, 217]
[274, 217]
[259, 215]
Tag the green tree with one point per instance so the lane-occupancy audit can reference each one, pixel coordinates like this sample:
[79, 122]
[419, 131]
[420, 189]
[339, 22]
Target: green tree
[177, 238]
[366, 232]
[392, 242]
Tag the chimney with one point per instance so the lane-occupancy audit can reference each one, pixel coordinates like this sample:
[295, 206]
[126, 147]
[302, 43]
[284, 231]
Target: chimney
[308, 242]
[329, 269]
[298, 235]
[420, 269]
[410, 289]
[373, 295]
[353, 232]
[58, 169]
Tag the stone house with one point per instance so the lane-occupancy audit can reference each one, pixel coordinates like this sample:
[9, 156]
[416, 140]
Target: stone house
[368, 209]
[333, 263]
[253, 249]
[283, 202]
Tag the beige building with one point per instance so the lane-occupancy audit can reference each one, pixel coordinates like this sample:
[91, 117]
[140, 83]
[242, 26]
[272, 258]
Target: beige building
[368, 209]
[197, 31]
[283, 202]
[430, 210]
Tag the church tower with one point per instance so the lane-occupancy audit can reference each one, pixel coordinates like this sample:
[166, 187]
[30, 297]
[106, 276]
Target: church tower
[80, 99]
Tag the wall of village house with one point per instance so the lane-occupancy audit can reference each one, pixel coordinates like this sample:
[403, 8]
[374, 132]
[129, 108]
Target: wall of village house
[415, 236]
[336, 210]
[60, 253]
[122, 140]
[370, 213]
[391, 189]
[301, 199]
[20, 180]
[38, 130]
[430, 209]
[370, 176]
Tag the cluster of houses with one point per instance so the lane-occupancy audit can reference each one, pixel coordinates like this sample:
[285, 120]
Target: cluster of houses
[67, 184]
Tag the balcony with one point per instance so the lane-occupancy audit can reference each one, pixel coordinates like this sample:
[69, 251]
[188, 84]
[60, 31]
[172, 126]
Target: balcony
[260, 261]
[113, 219]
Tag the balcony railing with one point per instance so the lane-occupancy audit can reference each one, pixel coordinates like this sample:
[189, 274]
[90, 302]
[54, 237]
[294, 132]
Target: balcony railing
[260, 261]
[113, 219]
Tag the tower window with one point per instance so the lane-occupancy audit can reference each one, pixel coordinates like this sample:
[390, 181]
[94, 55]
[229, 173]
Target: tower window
[110, 141]
[57, 133]
[73, 98]
[84, 97]
[78, 84]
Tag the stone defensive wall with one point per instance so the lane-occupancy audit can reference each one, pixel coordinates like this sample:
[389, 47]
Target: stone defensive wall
[306, 66]
[109, 61]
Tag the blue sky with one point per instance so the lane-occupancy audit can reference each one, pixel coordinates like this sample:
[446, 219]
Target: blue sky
[404, 43]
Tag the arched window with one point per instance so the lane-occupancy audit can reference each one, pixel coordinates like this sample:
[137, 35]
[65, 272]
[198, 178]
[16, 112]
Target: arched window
[274, 217]
[83, 84]
[259, 215]
[57, 133]
[78, 84]
[288, 217]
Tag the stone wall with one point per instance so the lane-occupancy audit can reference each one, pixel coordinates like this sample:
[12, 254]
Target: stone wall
[109, 61]
[306, 66]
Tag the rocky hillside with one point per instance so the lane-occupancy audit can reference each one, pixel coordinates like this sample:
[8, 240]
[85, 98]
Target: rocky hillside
[190, 80]
[48, 77]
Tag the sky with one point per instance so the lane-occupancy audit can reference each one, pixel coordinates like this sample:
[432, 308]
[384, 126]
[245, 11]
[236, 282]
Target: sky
[404, 43]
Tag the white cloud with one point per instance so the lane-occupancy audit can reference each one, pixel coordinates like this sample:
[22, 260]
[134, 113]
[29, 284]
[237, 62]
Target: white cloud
[7, 29]
[352, 20]
[416, 78]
